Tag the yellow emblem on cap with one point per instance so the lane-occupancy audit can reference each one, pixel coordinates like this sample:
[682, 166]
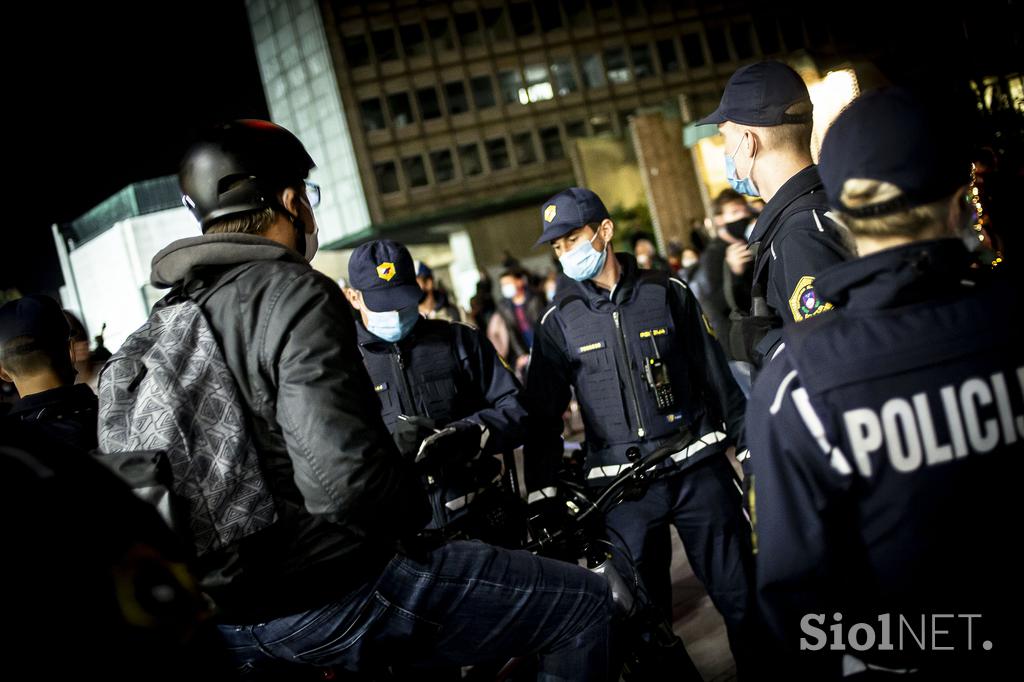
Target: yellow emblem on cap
[549, 212]
[386, 271]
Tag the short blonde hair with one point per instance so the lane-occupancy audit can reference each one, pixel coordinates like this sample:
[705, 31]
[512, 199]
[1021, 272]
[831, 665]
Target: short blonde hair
[859, 193]
[252, 222]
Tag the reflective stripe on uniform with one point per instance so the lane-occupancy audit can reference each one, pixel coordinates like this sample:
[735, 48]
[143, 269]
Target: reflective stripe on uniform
[685, 453]
[541, 494]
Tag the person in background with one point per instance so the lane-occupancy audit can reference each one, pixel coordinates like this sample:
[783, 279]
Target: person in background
[37, 355]
[646, 252]
[511, 329]
[435, 304]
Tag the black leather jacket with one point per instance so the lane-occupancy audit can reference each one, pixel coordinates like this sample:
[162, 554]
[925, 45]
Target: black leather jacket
[344, 496]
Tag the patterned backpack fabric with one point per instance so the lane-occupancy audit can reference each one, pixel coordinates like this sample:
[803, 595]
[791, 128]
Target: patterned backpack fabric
[168, 391]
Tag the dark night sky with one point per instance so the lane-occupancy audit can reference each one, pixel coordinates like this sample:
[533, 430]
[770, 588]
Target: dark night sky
[110, 95]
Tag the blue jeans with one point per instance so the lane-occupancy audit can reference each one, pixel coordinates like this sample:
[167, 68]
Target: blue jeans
[465, 603]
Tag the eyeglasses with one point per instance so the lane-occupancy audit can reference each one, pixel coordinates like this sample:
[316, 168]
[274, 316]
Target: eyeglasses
[313, 193]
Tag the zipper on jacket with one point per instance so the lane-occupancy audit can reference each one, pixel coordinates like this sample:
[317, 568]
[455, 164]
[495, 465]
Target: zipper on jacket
[404, 381]
[629, 375]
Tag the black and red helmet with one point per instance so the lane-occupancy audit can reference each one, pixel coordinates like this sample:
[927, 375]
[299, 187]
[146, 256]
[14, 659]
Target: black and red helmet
[239, 167]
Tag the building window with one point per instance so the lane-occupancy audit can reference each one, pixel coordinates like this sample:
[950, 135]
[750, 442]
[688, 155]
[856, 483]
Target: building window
[629, 8]
[427, 99]
[510, 83]
[469, 158]
[577, 12]
[497, 153]
[372, 113]
[717, 44]
[522, 18]
[468, 28]
[574, 129]
[440, 34]
[357, 52]
[668, 56]
[642, 65]
[415, 170]
[550, 16]
[742, 41]
[496, 23]
[455, 95]
[384, 45]
[551, 142]
[444, 168]
[615, 61]
[401, 109]
[767, 34]
[604, 10]
[565, 78]
[593, 72]
[523, 145]
[387, 177]
[413, 42]
[538, 84]
[693, 50]
[483, 91]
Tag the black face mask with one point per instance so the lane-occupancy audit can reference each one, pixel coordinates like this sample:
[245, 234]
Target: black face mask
[738, 228]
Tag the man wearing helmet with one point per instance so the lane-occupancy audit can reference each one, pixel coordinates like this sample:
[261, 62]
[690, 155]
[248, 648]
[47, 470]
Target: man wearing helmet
[329, 583]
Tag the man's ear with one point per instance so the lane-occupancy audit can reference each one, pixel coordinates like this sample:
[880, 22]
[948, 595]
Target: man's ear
[290, 200]
[4, 376]
[607, 229]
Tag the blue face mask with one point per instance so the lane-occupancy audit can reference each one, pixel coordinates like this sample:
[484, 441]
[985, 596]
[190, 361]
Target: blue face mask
[744, 186]
[392, 325]
[584, 262]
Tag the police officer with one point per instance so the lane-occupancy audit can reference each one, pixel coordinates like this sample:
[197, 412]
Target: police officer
[446, 397]
[889, 433]
[646, 369]
[35, 355]
[765, 118]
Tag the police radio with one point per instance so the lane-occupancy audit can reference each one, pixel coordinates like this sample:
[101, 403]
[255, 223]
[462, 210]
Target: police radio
[656, 374]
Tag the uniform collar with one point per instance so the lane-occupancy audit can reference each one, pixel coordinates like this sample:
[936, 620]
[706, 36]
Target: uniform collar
[804, 182]
[898, 276]
[598, 297]
[76, 395]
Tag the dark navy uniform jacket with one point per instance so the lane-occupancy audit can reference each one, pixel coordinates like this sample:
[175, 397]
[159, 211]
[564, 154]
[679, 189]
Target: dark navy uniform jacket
[886, 447]
[67, 413]
[795, 238]
[599, 344]
[446, 372]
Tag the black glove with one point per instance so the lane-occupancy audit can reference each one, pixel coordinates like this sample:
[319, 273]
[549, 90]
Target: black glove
[452, 447]
[410, 432]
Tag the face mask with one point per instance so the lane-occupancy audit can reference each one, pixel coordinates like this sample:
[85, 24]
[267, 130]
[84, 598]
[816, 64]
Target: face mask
[312, 244]
[643, 260]
[550, 291]
[744, 186]
[584, 262]
[737, 229]
[688, 262]
[392, 325]
[509, 291]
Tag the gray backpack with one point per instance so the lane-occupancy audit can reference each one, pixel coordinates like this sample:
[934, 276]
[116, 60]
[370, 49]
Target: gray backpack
[171, 422]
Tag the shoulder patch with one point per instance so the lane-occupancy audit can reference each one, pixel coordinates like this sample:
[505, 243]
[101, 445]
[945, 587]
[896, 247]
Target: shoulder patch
[804, 301]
